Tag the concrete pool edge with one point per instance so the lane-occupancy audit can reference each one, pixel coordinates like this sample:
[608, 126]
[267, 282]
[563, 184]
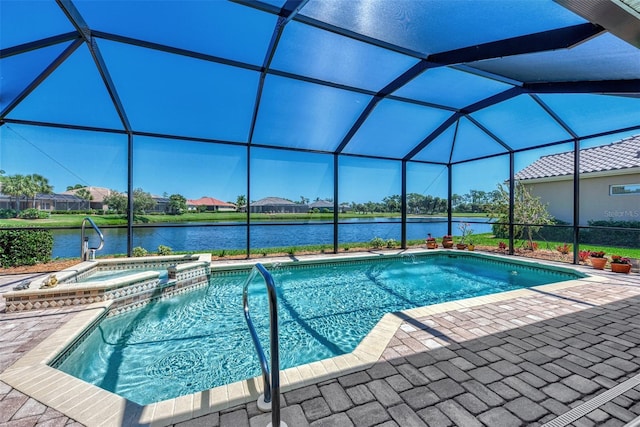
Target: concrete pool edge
[91, 405]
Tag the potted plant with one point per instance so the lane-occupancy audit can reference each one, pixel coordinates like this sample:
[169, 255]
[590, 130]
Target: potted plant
[431, 242]
[447, 241]
[465, 232]
[598, 261]
[620, 264]
[471, 246]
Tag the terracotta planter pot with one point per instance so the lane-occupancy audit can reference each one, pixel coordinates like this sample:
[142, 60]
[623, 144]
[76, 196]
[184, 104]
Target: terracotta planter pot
[598, 263]
[447, 244]
[432, 245]
[461, 246]
[620, 268]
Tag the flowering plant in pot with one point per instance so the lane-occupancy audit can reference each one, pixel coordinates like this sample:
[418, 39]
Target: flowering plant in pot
[431, 242]
[598, 261]
[620, 264]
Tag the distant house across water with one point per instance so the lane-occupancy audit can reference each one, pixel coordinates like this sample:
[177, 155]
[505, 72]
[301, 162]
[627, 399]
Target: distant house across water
[277, 205]
[322, 205]
[96, 201]
[609, 182]
[45, 202]
[210, 204]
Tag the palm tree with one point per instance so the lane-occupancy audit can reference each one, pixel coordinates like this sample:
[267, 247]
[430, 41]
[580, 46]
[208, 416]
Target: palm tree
[13, 185]
[36, 184]
[84, 194]
[241, 201]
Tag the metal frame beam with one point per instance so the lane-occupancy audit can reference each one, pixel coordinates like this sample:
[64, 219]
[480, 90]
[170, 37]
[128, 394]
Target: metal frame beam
[502, 96]
[41, 77]
[38, 44]
[597, 87]
[288, 12]
[561, 38]
[83, 30]
[576, 173]
[398, 82]
[444, 126]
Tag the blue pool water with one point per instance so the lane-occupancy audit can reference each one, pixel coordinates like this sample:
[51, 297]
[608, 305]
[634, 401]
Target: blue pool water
[200, 340]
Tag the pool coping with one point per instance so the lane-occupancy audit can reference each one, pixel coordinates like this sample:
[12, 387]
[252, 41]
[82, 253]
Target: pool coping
[92, 405]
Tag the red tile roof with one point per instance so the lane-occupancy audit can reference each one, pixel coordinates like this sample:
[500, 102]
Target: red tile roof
[209, 201]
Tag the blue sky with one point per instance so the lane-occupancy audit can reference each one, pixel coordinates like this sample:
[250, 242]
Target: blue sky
[196, 169]
[189, 97]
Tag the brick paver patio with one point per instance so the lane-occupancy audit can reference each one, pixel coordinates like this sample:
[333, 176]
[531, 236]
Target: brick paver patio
[519, 362]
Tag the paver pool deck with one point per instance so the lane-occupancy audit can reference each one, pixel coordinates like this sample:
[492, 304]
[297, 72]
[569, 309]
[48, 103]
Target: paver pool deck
[521, 358]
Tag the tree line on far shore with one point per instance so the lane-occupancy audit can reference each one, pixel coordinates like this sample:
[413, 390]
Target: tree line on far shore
[475, 201]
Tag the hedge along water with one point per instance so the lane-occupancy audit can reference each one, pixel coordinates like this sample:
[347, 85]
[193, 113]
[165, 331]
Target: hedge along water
[25, 247]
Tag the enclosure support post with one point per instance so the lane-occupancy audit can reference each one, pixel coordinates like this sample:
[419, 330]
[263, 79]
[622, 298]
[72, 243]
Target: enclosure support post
[336, 204]
[130, 194]
[403, 207]
[512, 192]
[449, 194]
[248, 204]
[576, 200]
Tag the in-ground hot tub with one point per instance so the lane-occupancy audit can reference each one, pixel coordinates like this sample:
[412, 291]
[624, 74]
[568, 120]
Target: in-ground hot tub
[129, 282]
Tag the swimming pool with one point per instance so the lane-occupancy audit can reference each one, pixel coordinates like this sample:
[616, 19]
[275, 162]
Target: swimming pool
[199, 340]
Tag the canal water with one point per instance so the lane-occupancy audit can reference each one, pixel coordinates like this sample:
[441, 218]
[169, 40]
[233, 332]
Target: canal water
[233, 235]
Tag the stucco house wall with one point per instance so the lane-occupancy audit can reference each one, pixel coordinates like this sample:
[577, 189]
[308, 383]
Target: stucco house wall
[596, 202]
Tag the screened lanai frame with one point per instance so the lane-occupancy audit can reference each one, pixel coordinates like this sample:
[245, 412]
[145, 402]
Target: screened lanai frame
[483, 59]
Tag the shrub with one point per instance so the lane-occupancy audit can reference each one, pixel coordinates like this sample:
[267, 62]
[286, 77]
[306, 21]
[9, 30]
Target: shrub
[164, 250]
[564, 249]
[556, 234]
[32, 213]
[392, 243]
[377, 242]
[608, 237]
[7, 213]
[139, 251]
[25, 247]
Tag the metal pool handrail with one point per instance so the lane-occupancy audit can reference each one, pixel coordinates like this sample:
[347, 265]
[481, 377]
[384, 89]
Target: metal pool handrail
[271, 397]
[84, 241]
